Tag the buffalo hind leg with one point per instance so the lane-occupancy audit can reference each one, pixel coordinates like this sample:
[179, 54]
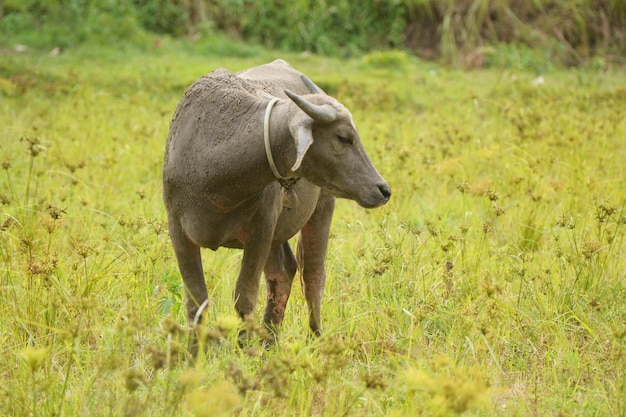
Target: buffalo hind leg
[311, 258]
[190, 265]
[280, 269]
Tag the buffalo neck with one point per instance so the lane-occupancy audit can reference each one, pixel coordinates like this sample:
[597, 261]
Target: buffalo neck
[248, 172]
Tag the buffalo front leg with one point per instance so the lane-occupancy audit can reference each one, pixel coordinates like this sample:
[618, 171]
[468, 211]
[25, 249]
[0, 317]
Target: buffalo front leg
[280, 269]
[311, 256]
[190, 266]
[247, 287]
[256, 249]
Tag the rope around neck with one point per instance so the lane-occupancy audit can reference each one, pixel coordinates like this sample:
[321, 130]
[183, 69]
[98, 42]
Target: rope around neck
[286, 182]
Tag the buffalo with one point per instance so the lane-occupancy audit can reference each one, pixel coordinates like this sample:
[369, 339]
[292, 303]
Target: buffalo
[252, 159]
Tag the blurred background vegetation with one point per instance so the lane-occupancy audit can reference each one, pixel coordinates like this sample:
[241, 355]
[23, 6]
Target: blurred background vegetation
[463, 33]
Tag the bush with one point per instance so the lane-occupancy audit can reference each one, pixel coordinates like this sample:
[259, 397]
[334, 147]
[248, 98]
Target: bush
[59, 23]
[454, 31]
[338, 27]
[162, 16]
[580, 28]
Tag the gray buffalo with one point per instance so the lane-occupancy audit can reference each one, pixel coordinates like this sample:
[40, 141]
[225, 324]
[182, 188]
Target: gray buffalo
[252, 159]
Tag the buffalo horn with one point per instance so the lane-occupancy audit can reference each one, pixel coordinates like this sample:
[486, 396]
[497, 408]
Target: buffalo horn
[324, 113]
[313, 88]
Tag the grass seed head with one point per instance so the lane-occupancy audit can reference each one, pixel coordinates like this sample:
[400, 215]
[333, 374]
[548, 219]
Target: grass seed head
[158, 357]
[566, 222]
[217, 400]
[45, 266]
[241, 379]
[190, 379]
[374, 380]
[463, 187]
[82, 249]
[55, 212]
[492, 195]
[228, 325]
[605, 212]
[34, 145]
[5, 200]
[170, 326]
[590, 248]
[416, 380]
[7, 224]
[35, 358]
[134, 379]
[432, 229]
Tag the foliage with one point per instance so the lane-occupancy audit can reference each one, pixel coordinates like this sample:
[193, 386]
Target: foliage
[456, 30]
[63, 24]
[572, 31]
[459, 32]
[338, 27]
[492, 284]
[162, 16]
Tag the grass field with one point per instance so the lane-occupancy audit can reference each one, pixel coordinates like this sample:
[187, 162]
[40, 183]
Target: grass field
[492, 284]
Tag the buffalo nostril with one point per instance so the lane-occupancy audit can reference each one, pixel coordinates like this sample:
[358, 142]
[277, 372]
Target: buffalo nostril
[385, 190]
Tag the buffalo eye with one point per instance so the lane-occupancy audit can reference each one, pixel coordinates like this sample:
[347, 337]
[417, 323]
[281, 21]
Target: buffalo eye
[344, 139]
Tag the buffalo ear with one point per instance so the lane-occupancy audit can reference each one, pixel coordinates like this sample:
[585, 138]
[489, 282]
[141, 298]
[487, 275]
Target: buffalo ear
[303, 136]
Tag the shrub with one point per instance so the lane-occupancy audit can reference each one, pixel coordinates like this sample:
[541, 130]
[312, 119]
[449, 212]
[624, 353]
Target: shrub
[58, 23]
[340, 27]
[456, 31]
[162, 16]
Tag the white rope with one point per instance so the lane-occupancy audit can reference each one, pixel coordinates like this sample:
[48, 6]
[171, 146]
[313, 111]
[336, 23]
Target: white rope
[203, 306]
[266, 139]
[285, 182]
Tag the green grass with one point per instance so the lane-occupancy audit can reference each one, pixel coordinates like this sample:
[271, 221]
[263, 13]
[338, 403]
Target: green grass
[493, 283]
